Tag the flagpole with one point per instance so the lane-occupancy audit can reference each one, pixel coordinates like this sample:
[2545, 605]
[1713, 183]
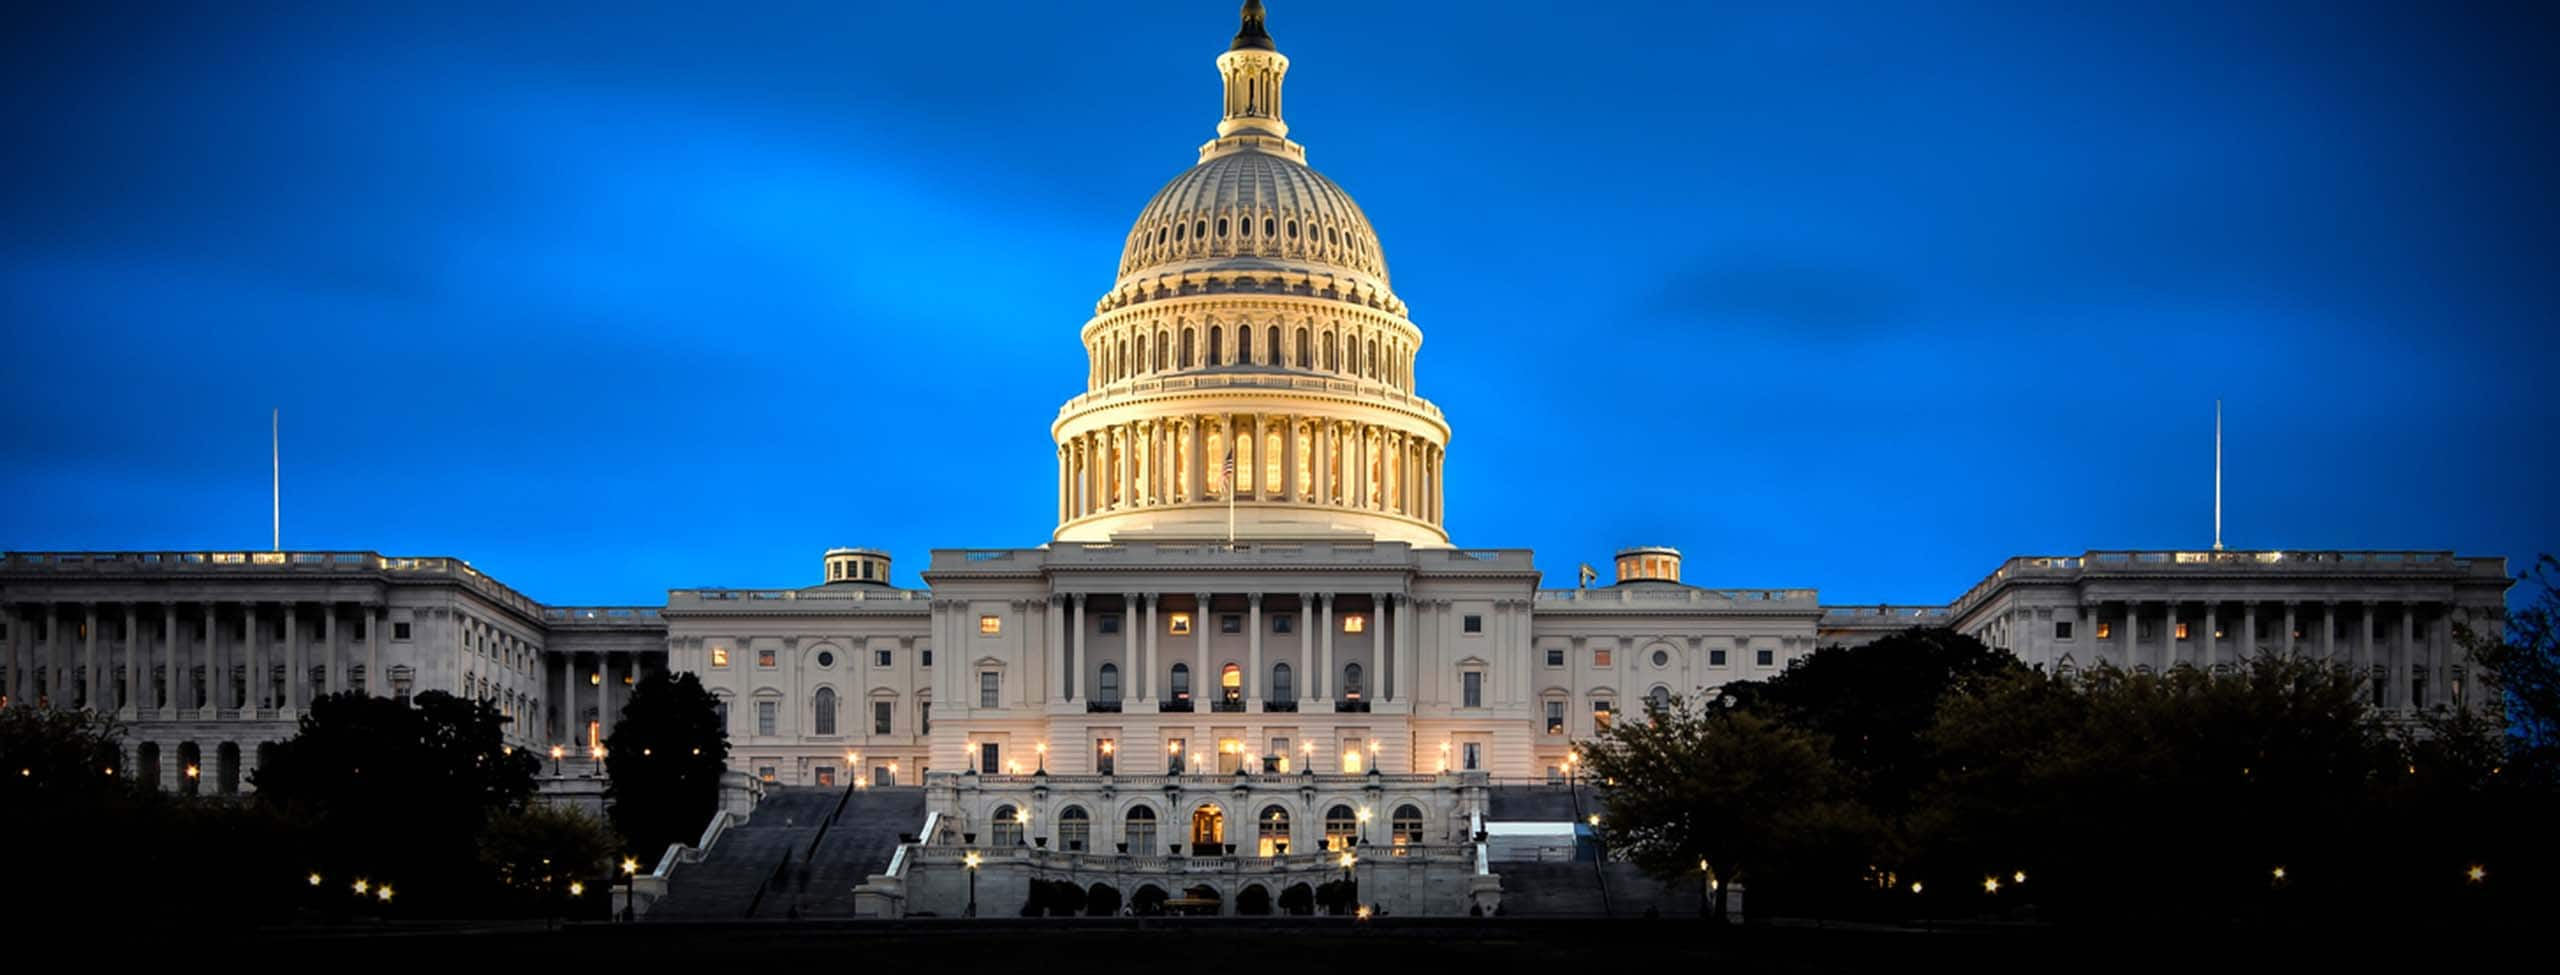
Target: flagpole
[275, 479]
[2217, 475]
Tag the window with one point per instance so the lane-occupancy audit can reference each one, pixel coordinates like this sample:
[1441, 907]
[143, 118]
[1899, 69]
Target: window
[1281, 689]
[1600, 656]
[399, 631]
[1108, 687]
[2062, 629]
[765, 772]
[881, 658]
[766, 714]
[1662, 658]
[1354, 623]
[1280, 623]
[1555, 717]
[925, 656]
[826, 775]
[2106, 630]
[1601, 712]
[1271, 831]
[1658, 700]
[764, 658]
[1231, 684]
[1277, 759]
[924, 721]
[990, 626]
[1230, 623]
[1139, 830]
[987, 688]
[988, 753]
[1181, 686]
[1473, 623]
[1471, 689]
[719, 656]
[1473, 755]
[1715, 658]
[1351, 681]
[1109, 622]
[826, 658]
[881, 712]
[1173, 756]
[1230, 756]
[1555, 656]
[1340, 826]
[1178, 624]
[2182, 631]
[1406, 825]
[1103, 755]
[825, 711]
[721, 705]
[1764, 657]
[1004, 827]
[1075, 826]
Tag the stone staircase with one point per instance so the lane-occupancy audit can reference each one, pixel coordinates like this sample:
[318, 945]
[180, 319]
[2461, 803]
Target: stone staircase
[1538, 804]
[1573, 890]
[767, 867]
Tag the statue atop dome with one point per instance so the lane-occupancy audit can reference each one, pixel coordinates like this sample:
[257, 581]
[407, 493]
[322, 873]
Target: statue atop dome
[1251, 36]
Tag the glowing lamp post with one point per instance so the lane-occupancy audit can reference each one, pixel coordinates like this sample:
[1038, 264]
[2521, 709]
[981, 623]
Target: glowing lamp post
[970, 860]
[630, 888]
[556, 753]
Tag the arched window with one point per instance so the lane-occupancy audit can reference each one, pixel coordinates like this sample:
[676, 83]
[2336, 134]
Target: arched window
[1302, 349]
[1658, 701]
[1186, 348]
[1213, 358]
[1142, 352]
[825, 708]
[1231, 684]
[1271, 347]
[1280, 683]
[1163, 349]
[1139, 831]
[1351, 356]
[1340, 826]
[1332, 351]
[1406, 826]
[1181, 682]
[1244, 345]
[1351, 681]
[1075, 829]
[1108, 688]
[1271, 830]
[1372, 359]
[1267, 229]
[1005, 827]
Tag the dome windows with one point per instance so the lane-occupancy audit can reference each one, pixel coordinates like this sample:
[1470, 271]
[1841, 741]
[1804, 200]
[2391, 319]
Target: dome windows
[1177, 232]
[1293, 230]
[1222, 228]
[1267, 229]
[1160, 235]
[1200, 229]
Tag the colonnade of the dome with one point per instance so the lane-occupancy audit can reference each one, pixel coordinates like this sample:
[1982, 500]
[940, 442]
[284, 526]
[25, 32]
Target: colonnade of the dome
[1280, 458]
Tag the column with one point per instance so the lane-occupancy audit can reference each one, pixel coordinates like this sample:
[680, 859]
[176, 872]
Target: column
[2132, 624]
[2329, 631]
[1324, 674]
[2212, 613]
[2289, 624]
[1202, 679]
[1306, 689]
[604, 696]
[2249, 631]
[1253, 636]
[2406, 660]
[1137, 656]
[1288, 469]
[213, 676]
[169, 679]
[1381, 649]
[2169, 636]
[377, 683]
[336, 672]
[1054, 624]
[135, 666]
[567, 705]
[2364, 643]
[1408, 649]
[89, 683]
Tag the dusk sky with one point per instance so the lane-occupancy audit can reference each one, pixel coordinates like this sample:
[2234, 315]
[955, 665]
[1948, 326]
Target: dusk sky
[614, 298]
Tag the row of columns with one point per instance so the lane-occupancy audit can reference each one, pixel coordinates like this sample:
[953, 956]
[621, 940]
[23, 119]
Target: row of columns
[608, 684]
[1128, 353]
[63, 640]
[2402, 656]
[1391, 635]
[1180, 460]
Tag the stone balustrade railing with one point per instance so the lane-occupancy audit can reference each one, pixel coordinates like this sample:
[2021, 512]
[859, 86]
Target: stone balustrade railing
[1275, 379]
[643, 616]
[2208, 562]
[1674, 595]
[1243, 862]
[1885, 615]
[127, 564]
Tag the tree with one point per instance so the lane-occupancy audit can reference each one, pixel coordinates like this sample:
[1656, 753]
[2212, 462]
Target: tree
[396, 791]
[534, 853]
[1874, 702]
[1747, 797]
[50, 750]
[665, 759]
[2521, 660]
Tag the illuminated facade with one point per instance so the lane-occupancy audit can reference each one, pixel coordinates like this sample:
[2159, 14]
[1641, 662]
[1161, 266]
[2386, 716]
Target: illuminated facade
[1272, 660]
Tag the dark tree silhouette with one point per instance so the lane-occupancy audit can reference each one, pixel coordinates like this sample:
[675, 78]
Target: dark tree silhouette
[665, 758]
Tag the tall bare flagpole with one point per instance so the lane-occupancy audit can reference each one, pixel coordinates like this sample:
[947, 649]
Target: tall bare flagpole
[275, 473]
[2217, 475]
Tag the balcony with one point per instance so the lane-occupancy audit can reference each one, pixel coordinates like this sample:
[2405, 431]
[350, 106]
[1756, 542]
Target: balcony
[1353, 706]
[1181, 705]
[1102, 707]
[1273, 707]
[1227, 707]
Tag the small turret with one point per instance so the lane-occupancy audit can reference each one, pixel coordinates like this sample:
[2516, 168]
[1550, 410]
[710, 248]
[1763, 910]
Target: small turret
[857, 565]
[1660, 563]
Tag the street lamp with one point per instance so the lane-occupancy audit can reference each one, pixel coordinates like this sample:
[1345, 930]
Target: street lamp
[1307, 759]
[1022, 818]
[556, 753]
[971, 746]
[630, 887]
[597, 753]
[1041, 748]
[970, 860]
[2477, 874]
[1363, 817]
[1991, 885]
[383, 893]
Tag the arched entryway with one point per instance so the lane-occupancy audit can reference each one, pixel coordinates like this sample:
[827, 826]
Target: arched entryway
[227, 759]
[147, 758]
[1200, 901]
[1208, 831]
[1254, 901]
[190, 768]
[1148, 901]
[1298, 900]
[1101, 900]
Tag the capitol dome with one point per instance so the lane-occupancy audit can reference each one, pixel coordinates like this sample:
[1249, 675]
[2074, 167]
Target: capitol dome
[1250, 374]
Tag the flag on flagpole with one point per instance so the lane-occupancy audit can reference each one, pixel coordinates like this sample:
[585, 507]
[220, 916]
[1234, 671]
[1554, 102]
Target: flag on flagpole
[1588, 575]
[1227, 474]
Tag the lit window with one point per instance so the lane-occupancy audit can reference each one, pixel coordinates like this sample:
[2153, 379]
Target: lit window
[1355, 623]
[826, 775]
[1179, 624]
[2106, 630]
[719, 656]
[1555, 717]
[765, 772]
[2182, 631]
[990, 625]
[1601, 712]
[764, 658]
[1600, 657]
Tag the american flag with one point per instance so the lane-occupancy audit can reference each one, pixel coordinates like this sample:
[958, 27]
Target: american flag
[1227, 477]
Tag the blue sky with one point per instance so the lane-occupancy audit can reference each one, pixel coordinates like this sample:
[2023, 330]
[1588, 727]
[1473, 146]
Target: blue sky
[613, 298]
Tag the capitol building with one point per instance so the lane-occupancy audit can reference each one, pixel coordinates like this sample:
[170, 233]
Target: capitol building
[1249, 658]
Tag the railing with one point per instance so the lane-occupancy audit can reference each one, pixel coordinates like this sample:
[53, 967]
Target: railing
[2340, 562]
[1101, 707]
[1174, 706]
[353, 562]
[1351, 707]
[1658, 595]
[1275, 707]
[1290, 380]
[843, 595]
[603, 616]
[1227, 707]
[1884, 615]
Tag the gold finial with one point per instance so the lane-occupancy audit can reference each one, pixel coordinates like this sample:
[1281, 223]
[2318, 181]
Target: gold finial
[1251, 35]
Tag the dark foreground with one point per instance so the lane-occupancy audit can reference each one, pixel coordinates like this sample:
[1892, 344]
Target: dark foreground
[1455, 947]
